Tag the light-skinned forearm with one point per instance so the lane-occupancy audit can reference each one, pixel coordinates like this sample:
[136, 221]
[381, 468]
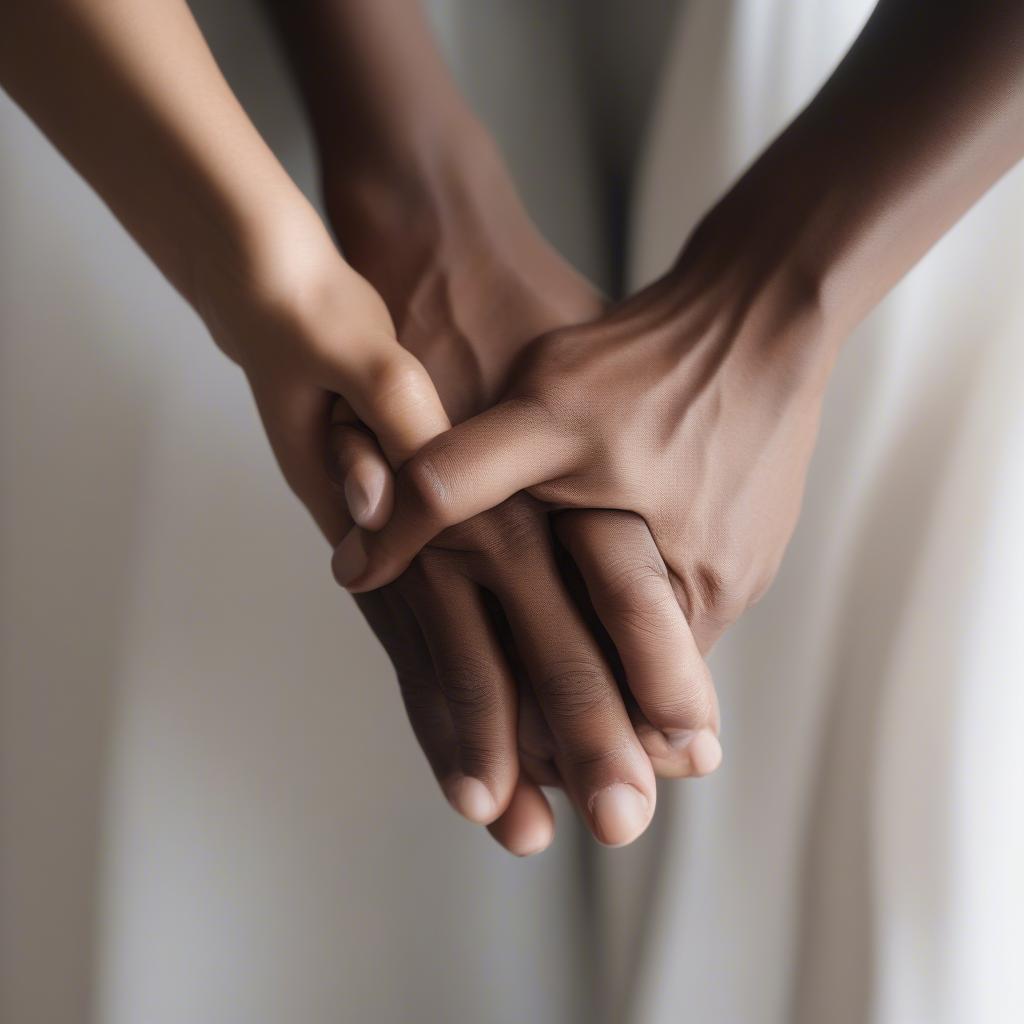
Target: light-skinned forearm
[132, 96]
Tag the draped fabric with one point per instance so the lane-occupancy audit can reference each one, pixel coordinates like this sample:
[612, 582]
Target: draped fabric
[211, 806]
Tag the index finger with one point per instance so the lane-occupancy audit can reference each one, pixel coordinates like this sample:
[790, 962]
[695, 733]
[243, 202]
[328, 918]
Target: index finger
[467, 470]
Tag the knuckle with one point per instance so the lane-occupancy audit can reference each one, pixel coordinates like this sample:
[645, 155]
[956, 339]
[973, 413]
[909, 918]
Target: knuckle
[394, 378]
[597, 759]
[640, 599]
[512, 528]
[424, 483]
[640, 584]
[464, 687]
[720, 593]
[575, 690]
[692, 707]
[484, 760]
[711, 583]
[652, 627]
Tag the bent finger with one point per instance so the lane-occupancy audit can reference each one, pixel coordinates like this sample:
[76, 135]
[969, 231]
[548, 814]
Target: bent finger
[527, 825]
[467, 470]
[477, 685]
[629, 587]
[601, 761]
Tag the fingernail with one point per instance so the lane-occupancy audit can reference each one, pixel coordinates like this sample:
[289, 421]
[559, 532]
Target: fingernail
[620, 812]
[701, 744]
[471, 798]
[349, 558]
[535, 841]
[705, 752]
[363, 489]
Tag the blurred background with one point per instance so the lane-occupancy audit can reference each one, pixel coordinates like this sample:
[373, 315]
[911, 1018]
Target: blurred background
[211, 801]
[211, 806]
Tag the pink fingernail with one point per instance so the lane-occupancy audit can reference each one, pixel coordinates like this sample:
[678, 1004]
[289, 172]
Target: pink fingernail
[532, 840]
[620, 812]
[701, 744]
[349, 559]
[705, 752]
[471, 798]
[364, 487]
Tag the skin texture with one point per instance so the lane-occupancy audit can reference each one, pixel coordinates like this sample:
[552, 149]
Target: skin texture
[574, 725]
[676, 515]
[716, 408]
[141, 110]
[716, 372]
[715, 375]
[484, 629]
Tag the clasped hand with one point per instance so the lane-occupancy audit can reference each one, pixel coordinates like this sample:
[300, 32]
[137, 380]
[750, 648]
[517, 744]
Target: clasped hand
[551, 572]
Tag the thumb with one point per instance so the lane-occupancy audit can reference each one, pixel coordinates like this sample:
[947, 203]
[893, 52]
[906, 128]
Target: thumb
[358, 469]
[393, 395]
[458, 475]
[385, 385]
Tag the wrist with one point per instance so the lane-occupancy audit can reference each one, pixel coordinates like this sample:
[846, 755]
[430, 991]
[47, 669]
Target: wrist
[802, 216]
[452, 215]
[448, 177]
[413, 140]
[279, 272]
[761, 311]
[773, 250]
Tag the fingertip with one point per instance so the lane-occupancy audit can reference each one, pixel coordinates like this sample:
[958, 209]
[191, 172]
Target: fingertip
[620, 814]
[472, 799]
[535, 837]
[705, 752]
[527, 827]
[357, 468]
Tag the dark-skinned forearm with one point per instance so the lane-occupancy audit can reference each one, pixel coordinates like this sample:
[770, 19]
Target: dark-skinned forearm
[378, 92]
[923, 115]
